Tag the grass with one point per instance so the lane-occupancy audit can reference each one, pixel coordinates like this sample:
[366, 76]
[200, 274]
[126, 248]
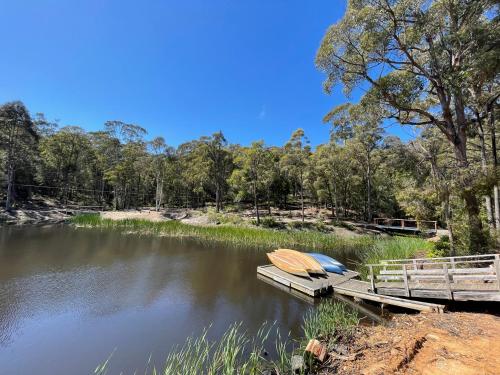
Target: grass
[329, 320]
[396, 248]
[235, 353]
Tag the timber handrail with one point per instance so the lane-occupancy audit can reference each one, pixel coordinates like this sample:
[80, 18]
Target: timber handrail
[493, 256]
[446, 268]
[402, 222]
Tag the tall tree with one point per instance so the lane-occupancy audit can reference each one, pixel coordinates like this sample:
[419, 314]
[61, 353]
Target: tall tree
[296, 159]
[254, 172]
[18, 139]
[215, 148]
[159, 148]
[416, 56]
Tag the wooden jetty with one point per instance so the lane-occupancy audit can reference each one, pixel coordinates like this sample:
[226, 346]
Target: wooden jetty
[409, 226]
[463, 278]
[340, 284]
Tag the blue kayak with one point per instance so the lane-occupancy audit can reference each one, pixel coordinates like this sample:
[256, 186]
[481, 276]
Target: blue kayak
[329, 264]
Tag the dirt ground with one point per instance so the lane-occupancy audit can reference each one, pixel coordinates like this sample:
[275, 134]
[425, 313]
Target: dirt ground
[426, 344]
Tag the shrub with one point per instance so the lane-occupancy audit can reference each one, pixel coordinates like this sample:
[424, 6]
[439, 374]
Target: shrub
[269, 222]
[223, 218]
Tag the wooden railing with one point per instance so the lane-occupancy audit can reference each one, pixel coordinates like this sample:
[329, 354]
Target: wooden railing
[477, 272]
[406, 223]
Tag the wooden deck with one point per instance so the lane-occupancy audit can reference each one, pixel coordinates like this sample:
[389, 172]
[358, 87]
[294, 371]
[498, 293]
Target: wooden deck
[467, 278]
[392, 225]
[339, 284]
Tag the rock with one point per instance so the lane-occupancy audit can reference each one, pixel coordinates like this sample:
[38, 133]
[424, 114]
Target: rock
[297, 364]
[431, 336]
[316, 350]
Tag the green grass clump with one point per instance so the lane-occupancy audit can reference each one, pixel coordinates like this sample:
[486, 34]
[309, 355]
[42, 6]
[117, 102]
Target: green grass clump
[329, 320]
[395, 248]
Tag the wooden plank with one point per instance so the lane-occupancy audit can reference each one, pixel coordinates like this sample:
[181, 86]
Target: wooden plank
[405, 280]
[430, 293]
[447, 281]
[372, 281]
[475, 277]
[394, 277]
[497, 270]
[439, 271]
[364, 310]
[476, 296]
[409, 304]
[491, 256]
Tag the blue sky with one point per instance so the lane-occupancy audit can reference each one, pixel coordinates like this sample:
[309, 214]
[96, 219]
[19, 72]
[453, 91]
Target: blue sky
[181, 69]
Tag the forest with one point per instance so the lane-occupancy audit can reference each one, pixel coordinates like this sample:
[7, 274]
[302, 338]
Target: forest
[433, 69]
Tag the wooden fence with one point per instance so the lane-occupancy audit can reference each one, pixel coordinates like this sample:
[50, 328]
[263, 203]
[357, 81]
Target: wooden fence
[474, 277]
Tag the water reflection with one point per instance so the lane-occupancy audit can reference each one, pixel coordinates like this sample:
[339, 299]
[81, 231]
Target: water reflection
[69, 297]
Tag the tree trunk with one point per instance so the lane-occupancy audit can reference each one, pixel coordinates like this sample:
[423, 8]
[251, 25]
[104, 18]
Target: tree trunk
[369, 195]
[217, 198]
[302, 198]
[477, 240]
[269, 201]
[484, 168]
[449, 224]
[256, 203]
[496, 197]
[10, 187]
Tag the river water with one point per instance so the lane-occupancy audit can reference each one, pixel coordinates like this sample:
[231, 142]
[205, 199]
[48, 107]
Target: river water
[71, 297]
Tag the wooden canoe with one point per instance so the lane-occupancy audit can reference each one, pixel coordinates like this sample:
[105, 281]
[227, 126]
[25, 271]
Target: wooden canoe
[288, 264]
[311, 264]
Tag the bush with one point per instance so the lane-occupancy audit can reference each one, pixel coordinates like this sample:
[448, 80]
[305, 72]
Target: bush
[299, 225]
[344, 224]
[269, 222]
[223, 218]
[441, 248]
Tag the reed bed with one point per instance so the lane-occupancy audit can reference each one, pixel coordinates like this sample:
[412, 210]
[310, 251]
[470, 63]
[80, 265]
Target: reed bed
[235, 352]
[359, 250]
[329, 320]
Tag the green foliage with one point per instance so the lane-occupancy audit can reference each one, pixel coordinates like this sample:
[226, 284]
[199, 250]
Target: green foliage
[441, 248]
[394, 248]
[215, 217]
[270, 222]
[329, 320]
[236, 352]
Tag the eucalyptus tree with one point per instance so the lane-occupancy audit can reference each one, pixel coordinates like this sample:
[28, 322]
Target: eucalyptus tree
[159, 159]
[67, 157]
[18, 140]
[253, 173]
[415, 56]
[296, 159]
[215, 149]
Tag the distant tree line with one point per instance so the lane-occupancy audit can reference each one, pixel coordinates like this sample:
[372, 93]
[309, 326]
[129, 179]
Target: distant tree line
[432, 65]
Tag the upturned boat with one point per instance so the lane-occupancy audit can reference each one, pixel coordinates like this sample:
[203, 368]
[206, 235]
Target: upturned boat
[288, 264]
[312, 265]
[328, 263]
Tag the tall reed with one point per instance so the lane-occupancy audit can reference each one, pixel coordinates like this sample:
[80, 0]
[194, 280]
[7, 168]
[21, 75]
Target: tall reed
[361, 249]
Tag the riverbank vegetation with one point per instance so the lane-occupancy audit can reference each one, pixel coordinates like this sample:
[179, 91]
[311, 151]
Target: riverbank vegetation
[359, 249]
